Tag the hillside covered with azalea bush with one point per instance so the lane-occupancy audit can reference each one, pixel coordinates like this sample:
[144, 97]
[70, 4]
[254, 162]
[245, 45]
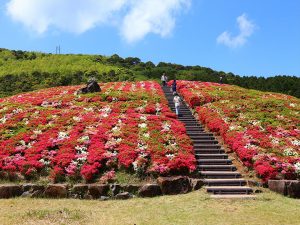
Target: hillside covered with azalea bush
[58, 135]
[262, 128]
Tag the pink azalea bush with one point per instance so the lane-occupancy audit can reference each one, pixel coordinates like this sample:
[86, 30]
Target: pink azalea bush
[261, 127]
[58, 134]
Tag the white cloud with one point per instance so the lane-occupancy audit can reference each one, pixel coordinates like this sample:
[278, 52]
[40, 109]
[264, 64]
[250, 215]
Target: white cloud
[151, 16]
[134, 18]
[246, 28]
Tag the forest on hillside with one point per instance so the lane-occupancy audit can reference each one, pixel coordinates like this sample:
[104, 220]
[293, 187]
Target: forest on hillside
[22, 71]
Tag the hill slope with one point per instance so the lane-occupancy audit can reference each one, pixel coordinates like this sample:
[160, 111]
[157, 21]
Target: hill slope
[262, 128]
[26, 71]
[55, 135]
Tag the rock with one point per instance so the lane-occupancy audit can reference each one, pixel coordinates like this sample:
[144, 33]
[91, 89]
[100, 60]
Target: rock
[196, 184]
[257, 191]
[115, 189]
[277, 186]
[27, 187]
[79, 190]
[92, 86]
[88, 197]
[97, 190]
[26, 194]
[104, 198]
[32, 187]
[56, 191]
[131, 188]
[174, 185]
[293, 189]
[10, 191]
[286, 187]
[149, 190]
[123, 195]
[37, 194]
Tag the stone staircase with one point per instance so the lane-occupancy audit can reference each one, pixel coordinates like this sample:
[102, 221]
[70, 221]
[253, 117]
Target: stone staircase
[221, 177]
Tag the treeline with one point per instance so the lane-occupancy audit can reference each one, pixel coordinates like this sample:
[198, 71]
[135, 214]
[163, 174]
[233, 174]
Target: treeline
[22, 71]
[284, 84]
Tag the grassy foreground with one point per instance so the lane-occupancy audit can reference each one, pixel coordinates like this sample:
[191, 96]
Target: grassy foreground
[193, 208]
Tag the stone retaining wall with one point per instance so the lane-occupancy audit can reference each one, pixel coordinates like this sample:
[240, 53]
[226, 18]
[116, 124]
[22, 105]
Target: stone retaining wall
[164, 185]
[289, 188]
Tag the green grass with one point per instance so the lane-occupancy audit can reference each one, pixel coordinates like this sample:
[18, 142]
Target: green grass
[193, 208]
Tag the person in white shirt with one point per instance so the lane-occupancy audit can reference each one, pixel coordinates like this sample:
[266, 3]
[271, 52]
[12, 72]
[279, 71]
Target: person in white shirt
[177, 102]
[164, 79]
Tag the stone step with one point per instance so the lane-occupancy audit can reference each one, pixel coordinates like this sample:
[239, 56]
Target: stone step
[202, 134]
[193, 127]
[185, 119]
[188, 122]
[214, 161]
[236, 196]
[184, 111]
[209, 151]
[225, 182]
[194, 137]
[205, 141]
[181, 108]
[229, 189]
[211, 156]
[193, 131]
[214, 168]
[198, 132]
[172, 104]
[186, 114]
[210, 146]
[220, 174]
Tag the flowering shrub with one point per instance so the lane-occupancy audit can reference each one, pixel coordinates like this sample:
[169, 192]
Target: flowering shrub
[56, 133]
[261, 127]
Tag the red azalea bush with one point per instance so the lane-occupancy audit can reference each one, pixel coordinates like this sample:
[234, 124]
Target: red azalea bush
[262, 128]
[56, 133]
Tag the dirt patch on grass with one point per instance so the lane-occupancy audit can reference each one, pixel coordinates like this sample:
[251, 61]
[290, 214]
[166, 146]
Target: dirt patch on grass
[48, 216]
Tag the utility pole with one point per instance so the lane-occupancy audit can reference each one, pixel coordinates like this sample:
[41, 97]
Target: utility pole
[57, 49]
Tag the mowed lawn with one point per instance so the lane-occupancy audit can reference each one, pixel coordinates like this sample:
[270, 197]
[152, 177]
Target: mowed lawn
[193, 208]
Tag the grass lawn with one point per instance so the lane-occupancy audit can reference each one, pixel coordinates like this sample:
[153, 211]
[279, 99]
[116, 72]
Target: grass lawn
[193, 208]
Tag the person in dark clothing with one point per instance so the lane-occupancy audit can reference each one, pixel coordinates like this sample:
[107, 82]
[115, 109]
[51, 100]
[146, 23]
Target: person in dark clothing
[174, 86]
[221, 80]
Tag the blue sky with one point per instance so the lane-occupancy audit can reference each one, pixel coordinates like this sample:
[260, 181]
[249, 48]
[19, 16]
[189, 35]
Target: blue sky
[246, 37]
